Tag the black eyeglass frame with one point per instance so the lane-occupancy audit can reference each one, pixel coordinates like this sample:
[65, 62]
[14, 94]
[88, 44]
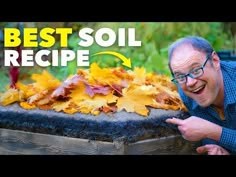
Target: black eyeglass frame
[190, 73]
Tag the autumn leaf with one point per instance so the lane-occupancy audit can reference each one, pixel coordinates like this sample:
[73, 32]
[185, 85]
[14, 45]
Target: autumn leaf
[26, 105]
[60, 105]
[92, 106]
[136, 98]
[27, 90]
[37, 97]
[10, 96]
[45, 81]
[102, 76]
[91, 90]
[139, 76]
[95, 90]
[161, 81]
[166, 101]
[95, 104]
[123, 74]
[70, 110]
[78, 94]
[65, 88]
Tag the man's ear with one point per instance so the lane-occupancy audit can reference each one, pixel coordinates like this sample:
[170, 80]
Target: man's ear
[215, 60]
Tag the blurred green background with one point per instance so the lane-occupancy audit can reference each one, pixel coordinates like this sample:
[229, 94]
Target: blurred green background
[155, 37]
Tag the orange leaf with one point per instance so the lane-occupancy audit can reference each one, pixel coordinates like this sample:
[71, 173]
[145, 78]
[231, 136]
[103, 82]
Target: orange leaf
[26, 105]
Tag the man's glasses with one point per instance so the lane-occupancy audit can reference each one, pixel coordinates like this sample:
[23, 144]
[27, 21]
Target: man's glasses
[195, 73]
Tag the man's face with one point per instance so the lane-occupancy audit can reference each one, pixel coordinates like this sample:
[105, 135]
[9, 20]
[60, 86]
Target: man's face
[204, 89]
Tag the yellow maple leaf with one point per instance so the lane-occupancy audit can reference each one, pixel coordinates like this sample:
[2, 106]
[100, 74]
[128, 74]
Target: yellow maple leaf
[36, 97]
[161, 81]
[87, 104]
[26, 105]
[103, 76]
[70, 110]
[136, 98]
[60, 105]
[91, 106]
[110, 98]
[78, 94]
[45, 80]
[27, 90]
[94, 104]
[10, 96]
[139, 75]
[123, 74]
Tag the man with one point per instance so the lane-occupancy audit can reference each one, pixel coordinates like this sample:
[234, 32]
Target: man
[207, 87]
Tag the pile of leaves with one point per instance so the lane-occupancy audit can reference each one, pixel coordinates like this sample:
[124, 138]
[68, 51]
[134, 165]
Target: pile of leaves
[97, 90]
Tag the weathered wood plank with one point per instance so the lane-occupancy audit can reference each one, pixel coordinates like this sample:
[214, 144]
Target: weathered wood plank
[21, 142]
[163, 146]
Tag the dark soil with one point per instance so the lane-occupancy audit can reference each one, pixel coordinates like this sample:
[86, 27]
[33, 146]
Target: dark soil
[123, 126]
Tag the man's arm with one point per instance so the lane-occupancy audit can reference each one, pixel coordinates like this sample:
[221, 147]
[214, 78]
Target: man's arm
[195, 128]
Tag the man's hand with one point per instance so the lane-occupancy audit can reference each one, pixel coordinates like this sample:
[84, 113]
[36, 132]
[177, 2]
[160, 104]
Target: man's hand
[212, 149]
[195, 128]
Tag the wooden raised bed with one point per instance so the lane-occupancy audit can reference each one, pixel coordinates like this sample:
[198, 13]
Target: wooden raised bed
[38, 132]
[20, 142]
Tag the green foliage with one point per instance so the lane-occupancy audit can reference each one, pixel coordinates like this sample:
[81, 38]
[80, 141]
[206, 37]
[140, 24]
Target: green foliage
[5, 80]
[155, 38]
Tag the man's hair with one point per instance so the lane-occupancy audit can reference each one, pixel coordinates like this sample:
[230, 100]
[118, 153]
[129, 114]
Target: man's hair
[196, 42]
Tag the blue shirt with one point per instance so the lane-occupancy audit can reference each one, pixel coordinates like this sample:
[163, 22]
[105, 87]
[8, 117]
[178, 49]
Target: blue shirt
[228, 136]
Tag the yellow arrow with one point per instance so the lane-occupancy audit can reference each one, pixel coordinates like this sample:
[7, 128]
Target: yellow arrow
[126, 61]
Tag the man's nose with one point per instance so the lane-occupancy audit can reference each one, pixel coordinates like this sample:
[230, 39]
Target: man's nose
[190, 81]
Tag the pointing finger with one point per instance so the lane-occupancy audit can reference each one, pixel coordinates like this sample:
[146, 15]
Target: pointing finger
[175, 121]
[202, 149]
